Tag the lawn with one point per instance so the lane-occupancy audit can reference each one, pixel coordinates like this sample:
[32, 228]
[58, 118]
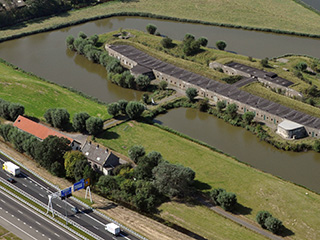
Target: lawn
[274, 14]
[37, 95]
[255, 190]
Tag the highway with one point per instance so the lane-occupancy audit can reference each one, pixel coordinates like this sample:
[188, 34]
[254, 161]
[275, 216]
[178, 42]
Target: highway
[26, 224]
[40, 190]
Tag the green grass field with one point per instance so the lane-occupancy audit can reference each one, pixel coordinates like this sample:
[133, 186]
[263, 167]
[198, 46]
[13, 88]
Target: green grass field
[4, 234]
[255, 190]
[37, 95]
[274, 14]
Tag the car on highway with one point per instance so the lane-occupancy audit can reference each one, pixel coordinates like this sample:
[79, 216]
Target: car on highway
[10, 179]
[75, 210]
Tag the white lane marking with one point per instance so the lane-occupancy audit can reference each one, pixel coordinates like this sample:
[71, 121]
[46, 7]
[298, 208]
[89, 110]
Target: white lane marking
[95, 227]
[20, 212]
[41, 195]
[0, 208]
[24, 223]
[6, 211]
[124, 236]
[57, 234]
[24, 185]
[59, 206]
[76, 216]
[18, 228]
[18, 219]
[12, 215]
[37, 231]
[3, 201]
[38, 223]
[30, 226]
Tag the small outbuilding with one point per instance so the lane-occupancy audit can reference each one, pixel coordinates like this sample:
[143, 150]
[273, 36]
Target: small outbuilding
[291, 130]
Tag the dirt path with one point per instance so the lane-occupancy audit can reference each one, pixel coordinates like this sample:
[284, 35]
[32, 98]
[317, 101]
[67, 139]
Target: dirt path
[145, 226]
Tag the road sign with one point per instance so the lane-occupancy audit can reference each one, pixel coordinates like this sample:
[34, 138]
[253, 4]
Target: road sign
[87, 182]
[78, 185]
[65, 193]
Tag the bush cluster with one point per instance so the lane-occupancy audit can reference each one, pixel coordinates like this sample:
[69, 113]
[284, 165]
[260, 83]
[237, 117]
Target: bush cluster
[223, 198]
[232, 79]
[267, 221]
[9, 110]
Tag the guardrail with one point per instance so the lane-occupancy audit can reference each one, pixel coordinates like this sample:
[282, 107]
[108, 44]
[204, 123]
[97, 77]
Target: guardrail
[75, 199]
[47, 215]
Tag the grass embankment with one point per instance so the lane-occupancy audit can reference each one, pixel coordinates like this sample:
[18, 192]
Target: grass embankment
[285, 15]
[5, 234]
[37, 95]
[199, 64]
[255, 190]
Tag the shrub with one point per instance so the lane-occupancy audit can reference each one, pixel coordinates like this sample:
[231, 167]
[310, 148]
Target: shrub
[166, 42]
[227, 200]
[221, 45]
[261, 217]
[94, 125]
[114, 109]
[134, 109]
[301, 66]
[264, 62]
[136, 152]
[203, 41]
[163, 85]
[151, 28]
[273, 224]
[191, 93]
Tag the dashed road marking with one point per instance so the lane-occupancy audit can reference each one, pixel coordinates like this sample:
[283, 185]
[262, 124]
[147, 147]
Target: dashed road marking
[57, 234]
[38, 223]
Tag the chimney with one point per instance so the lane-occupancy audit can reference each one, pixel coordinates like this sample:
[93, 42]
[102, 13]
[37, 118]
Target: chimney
[107, 150]
[97, 146]
[89, 142]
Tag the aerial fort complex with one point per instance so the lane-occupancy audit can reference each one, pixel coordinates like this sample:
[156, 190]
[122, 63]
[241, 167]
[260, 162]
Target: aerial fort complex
[289, 123]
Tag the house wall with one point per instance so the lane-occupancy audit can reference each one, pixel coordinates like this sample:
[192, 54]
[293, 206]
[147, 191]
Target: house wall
[260, 115]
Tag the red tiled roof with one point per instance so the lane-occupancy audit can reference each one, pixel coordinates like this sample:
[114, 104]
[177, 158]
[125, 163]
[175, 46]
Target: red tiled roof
[36, 129]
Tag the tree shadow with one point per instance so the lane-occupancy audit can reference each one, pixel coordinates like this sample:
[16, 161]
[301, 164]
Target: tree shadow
[285, 232]
[108, 135]
[108, 206]
[35, 119]
[242, 210]
[201, 185]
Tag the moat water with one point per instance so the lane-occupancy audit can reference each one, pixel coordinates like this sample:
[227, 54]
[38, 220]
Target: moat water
[46, 55]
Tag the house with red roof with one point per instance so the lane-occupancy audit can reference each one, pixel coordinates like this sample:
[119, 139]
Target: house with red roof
[41, 131]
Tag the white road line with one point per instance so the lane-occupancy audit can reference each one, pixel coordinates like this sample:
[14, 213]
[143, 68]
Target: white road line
[95, 227]
[0, 208]
[57, 234]
[59, 206]
[30, 226]
[2, 201]
[38, 223]
[20, 212]
[24, 185]
[124, 236]
[76, 216]
[41, 195]
[12, 215]
[18, 228]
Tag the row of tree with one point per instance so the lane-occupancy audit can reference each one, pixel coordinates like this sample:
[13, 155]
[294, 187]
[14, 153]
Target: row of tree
[132, 109]
[126, 80]
[267, 221]
[82, 122]
[9, 110]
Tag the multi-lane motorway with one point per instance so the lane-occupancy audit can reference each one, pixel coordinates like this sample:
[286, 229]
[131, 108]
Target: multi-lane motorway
[86, 217]
[27, 224]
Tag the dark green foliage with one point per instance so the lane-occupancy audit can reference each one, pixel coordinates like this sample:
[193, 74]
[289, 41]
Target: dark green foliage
[151, 28]
[145, 98]
[134, 109]
[69, 42]
[191, 93]
[94, 125]
[203, 105]
[221, 105]
[191, 47]
[313, 91]
[114, 109]
[122, 106]
[10, 111]
[82, 35]
[52, 150]
[146, 196]
[166, 42]
[82, 169]
[215, 193]
[264, 62]
[57, 169]
[301, 66]
[232, 110]
[221, 45]
[188, 37]
[316, 146]
[232, 79]
[79, 121]
[48, 115]
[118, 168]
[273, 224]
[94, 39]
[57, 117]
[5, 130]
[107, 185]
[104, 58]
[114, 66]
[29, 145]
[203, 41]
[146, 164]
[173, 180]
[142, 82]
[248, 117]
[136, 152]
[163, 85]
[261, 217]
[129, 80]
[227, 200]
[70, 159]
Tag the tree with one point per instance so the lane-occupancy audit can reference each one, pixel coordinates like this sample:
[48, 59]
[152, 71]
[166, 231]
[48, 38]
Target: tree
[221, 105]
[203, 105]
[316, 146]
[29, 146]
[82, 35]
[163, 85]
[142, 82]
[57, 169]
[203, 41]
[166, 42]
[94, 39]
[215, 193]
[107, 185]
[191, 93]
[69, 42]
[79, 121]
[261, 217]
[227, 200]
[15, 109]
[264, 62]
[129, 80]
[48, 115]
[301, 66]
[114, 66]
[94, 125]
[122, 105]
[70, 159]
[114, 109]
[248, 117]
[5, 130]
[146, 164]
[136, 152]
[151, 28]
[60, 118]
[146, 196]
[273, 224]
[52, 149]
[173, 180]
[221, 45]
[188, 37]
[80, 167]
[232, 110]
[191, 47]
[134, 109]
